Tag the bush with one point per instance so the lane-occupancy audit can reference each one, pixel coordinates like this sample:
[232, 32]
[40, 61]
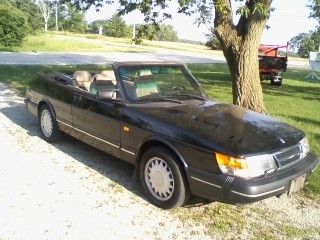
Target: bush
[13, 26]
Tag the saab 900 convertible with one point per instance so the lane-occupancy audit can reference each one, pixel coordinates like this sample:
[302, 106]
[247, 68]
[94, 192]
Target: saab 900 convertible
[157, 117]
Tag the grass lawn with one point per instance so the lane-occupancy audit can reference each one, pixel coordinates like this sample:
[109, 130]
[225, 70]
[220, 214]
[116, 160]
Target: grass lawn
[70, 42]
[296, 102]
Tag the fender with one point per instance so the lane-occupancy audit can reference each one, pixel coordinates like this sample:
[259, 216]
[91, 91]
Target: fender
[48, 103]
[162, 141]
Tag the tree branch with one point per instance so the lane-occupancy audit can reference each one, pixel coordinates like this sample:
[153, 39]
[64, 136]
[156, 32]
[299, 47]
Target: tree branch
[223, 22]
[259, 12]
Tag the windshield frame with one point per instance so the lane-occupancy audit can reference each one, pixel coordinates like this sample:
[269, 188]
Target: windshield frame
[185, 71]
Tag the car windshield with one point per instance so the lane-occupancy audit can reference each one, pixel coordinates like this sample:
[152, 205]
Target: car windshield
[159, 83]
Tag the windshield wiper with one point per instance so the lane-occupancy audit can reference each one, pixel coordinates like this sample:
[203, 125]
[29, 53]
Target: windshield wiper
[158, 99]
[194, 96]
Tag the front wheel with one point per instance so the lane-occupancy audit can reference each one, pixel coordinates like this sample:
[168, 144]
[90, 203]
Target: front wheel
[48, 125]
[162, 179]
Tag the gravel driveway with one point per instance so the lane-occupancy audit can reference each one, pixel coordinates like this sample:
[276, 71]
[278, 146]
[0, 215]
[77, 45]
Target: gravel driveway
[68, 190]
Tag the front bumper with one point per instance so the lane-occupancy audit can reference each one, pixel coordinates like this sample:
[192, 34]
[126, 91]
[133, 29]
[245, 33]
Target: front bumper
[230, 189]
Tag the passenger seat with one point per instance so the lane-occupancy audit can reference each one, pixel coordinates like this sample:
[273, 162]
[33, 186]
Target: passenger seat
[103, 82]
[109, 75]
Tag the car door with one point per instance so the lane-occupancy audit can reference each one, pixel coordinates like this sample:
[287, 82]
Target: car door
[97, 122]
[60, 96]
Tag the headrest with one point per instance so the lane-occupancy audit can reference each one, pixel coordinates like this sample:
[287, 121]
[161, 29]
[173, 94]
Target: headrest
[109, 75]
[144, 72]
[83, 78]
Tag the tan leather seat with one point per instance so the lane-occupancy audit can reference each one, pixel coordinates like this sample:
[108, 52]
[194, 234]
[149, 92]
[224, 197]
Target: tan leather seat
[145, 84]
[103, 81]
[109, 75]
[83, 78]
[144, 72]
[103, 77]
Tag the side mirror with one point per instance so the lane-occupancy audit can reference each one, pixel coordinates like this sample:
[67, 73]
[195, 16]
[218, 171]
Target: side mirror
[108, 95]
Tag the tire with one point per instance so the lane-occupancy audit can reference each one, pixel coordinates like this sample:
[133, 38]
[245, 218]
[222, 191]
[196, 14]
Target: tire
[48, 124]
[278, 83]
[162, 179]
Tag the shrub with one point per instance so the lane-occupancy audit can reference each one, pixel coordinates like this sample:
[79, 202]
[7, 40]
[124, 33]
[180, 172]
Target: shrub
[13, 26]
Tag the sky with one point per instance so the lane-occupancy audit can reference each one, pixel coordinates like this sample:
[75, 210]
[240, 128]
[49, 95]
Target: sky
[288, 19]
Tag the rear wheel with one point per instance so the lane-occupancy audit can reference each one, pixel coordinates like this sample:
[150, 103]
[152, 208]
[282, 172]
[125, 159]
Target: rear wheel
[162, 179]
[276, 81]
[48, 125]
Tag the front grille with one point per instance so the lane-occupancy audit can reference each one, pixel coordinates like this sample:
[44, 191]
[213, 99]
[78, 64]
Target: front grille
[288, 156]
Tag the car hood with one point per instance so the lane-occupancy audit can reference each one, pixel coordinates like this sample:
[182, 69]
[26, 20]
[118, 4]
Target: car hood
[229, 128]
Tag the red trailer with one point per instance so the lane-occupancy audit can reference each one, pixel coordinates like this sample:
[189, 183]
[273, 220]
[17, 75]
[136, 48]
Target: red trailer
[271, 63]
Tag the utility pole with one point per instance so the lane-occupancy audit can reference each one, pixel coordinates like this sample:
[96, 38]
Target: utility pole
[134, 34]
[57, 26]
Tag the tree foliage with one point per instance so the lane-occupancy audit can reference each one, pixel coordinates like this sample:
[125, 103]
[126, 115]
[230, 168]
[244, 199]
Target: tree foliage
[162, 32]
[73, 20]
[113, 27]
[13, 25]
[213, 42]
[46, 9]
[70, 18]
[117, 27]
[304, 43]
[32, 12]
[315, 9]
[166, 32]
[94, 26]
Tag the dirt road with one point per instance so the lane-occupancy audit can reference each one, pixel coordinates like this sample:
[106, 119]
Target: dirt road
[30, 58]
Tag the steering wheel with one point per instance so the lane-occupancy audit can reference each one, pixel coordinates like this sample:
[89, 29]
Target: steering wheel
[178, 88]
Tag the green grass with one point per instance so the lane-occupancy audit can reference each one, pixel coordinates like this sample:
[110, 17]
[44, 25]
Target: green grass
[293, 232]
[69, 42]
[49, 42]
[218, 218]
[296, 102]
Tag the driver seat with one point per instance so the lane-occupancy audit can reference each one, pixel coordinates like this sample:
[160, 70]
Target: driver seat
[83, 79]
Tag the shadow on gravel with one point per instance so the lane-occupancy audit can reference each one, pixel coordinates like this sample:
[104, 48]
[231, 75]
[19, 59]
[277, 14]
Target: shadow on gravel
[110, 167]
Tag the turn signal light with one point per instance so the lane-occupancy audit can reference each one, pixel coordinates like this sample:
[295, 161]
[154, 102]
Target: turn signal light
[126, 129]
[227, 161]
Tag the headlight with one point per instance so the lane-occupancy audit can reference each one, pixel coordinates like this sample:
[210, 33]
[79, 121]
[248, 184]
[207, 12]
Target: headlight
[247, 167]
[305, 148]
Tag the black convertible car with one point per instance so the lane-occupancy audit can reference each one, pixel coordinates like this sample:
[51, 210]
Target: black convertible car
[157, 117]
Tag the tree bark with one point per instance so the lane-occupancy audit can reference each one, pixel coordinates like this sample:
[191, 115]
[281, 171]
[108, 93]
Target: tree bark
[240, 45]
[244, 67]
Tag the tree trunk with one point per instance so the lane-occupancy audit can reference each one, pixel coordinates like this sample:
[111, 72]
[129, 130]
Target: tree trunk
[244, 67]
[46, 26]
[240, 45]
